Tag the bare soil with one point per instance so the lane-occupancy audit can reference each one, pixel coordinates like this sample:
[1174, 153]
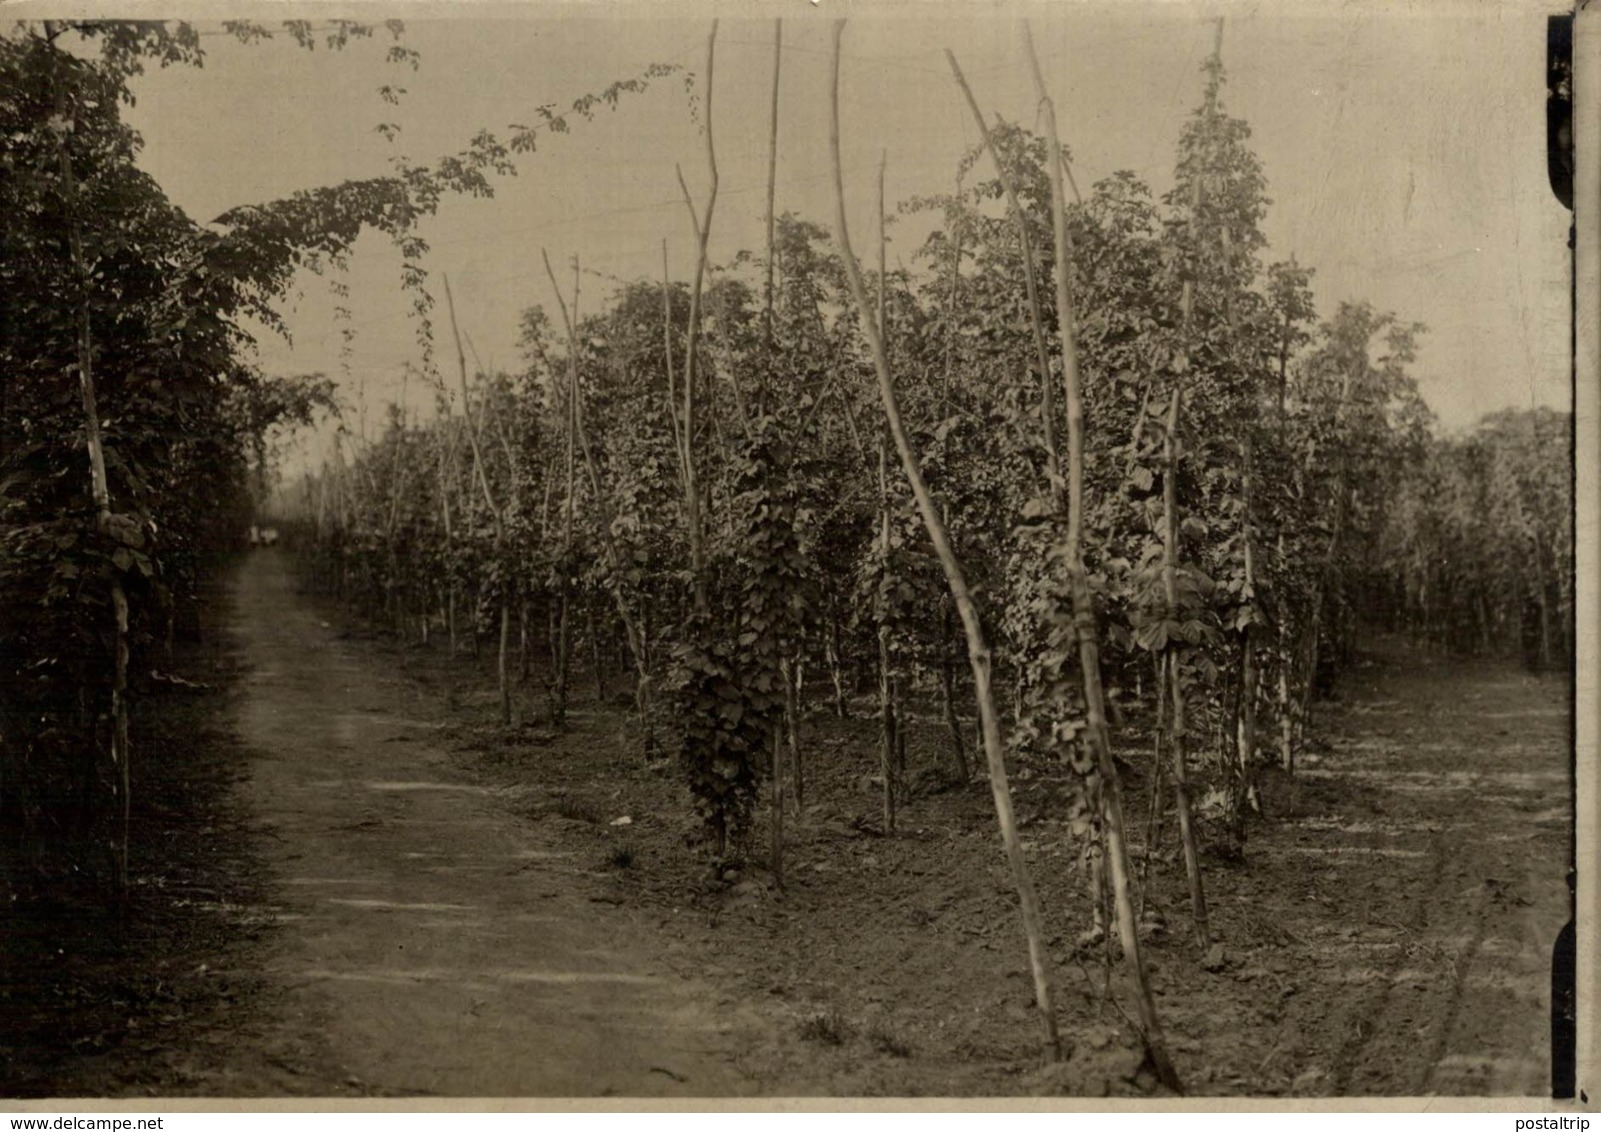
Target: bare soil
[408, 899]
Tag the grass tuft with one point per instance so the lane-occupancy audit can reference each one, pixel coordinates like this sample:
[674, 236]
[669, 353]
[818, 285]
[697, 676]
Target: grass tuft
[827, 1028]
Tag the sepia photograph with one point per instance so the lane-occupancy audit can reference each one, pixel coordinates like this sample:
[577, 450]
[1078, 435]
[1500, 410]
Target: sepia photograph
[791, 550]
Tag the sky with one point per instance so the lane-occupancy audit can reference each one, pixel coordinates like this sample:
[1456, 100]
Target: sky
[1404, 146]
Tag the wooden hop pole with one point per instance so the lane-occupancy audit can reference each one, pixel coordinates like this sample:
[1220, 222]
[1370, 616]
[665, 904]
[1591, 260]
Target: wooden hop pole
[977, 646]
[702, 223]
[1175, 689]
[631, 626]
[1170, 555]
[772, 180]
[494, 510]
[1083, 608]
[100, 488]
[1030, 268]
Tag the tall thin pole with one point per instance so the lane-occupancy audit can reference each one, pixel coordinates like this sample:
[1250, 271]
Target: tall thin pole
[703, 227]
[1041, 354]
[1083, 604]
[100, 488]
[772, 178]
[502, 597]
[977, 646]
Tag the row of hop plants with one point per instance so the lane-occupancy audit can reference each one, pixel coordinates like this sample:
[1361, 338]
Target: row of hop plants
[133, 437]
[1169, 495]
[411, 514]
[1478, 557]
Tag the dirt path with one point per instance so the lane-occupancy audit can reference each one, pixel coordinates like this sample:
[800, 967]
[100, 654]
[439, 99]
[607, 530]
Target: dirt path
[1432, 890]
[428, 942]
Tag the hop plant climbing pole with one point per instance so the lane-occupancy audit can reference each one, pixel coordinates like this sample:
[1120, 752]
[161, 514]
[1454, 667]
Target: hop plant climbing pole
[1030, 270]
[1053, 464]
[496, 516]
[702, 224]
[100, 488]
[560, 641]
[632, 629]
[1174, 687]
[772, 185]
[886, 702]
[1083, 607]
[1245, 742]
[788, 666]
[977, 646]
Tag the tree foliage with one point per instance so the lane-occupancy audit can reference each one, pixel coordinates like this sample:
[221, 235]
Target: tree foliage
[98, 268]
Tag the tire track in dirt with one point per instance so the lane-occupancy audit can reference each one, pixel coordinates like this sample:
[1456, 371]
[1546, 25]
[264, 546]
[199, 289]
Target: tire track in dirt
[1460, 968]
[1453, 932]
[1370, 1013]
